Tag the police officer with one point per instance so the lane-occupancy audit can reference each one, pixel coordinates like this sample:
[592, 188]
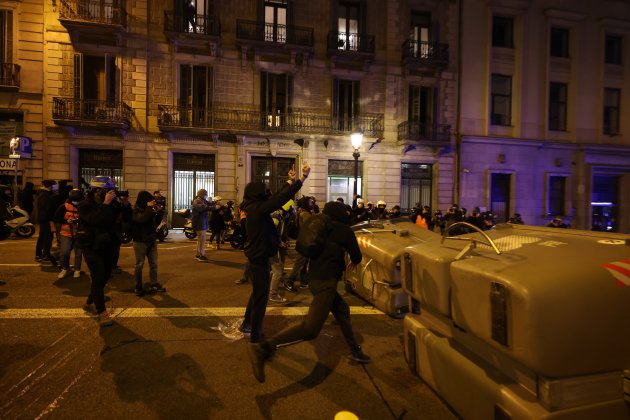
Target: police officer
[96, 240]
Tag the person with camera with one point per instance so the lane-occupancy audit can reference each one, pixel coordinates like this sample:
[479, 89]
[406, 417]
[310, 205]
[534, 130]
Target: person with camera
[263, 243]
[122, 224]
[67, 217]
[95, 238]
[146, 217]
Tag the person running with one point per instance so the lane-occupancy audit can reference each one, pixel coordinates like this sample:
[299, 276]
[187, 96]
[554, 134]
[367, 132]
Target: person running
[326, 270]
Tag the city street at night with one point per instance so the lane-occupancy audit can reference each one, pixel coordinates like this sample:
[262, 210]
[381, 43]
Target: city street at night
[165, 356]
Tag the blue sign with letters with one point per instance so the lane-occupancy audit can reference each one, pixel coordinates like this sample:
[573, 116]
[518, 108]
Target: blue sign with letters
[26, 147]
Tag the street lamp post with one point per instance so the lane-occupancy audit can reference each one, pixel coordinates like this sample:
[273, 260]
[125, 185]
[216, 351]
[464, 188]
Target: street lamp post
[356, 139]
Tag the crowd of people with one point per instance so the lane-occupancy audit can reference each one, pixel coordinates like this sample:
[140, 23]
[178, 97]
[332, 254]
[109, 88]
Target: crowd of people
[92, 219]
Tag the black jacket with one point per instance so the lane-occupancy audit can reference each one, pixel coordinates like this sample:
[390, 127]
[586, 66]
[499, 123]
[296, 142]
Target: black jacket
[262, 236]
[45, 206]
[144, 221]
[95, 226]
[326, 270]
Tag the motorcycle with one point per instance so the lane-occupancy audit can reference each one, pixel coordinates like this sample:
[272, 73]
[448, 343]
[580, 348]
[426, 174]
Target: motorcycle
[235, 235]
[18, 221]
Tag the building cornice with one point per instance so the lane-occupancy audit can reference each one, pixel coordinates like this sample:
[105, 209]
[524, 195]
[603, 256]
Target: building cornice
[568, 15]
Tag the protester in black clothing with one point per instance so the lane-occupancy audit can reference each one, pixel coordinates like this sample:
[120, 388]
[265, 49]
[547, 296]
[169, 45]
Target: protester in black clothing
[26, 197]
[263, 243]
[145, 219]
[122, 224]
[476, 218]
[217, 221]
[326, 270]
[45, 211]
[395, 212]
[96, 239]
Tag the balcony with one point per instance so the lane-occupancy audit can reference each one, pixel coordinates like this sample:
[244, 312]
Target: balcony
[101, 22]
[242, 120]
[422, 56]
[350, 48]
[421, 134]
[201, 35]
[92, 113]
[273, 39]
[9, 76]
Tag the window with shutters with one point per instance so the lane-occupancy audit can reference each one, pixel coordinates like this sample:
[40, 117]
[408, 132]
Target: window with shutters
[276, 98]
[195, 94]
[345, 104]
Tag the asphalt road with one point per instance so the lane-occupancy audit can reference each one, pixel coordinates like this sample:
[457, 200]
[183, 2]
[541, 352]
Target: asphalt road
[166, 356]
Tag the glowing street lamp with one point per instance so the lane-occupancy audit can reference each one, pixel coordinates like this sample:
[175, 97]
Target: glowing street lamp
[356, 139]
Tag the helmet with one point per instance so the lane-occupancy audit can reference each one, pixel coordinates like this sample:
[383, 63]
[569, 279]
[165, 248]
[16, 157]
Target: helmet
[75, 195]
[359, 201]
[102, 182]
[218, 198]
[380, 203]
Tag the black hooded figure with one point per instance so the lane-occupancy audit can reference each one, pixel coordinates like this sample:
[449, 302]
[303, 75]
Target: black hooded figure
[145, 218]
[325, 271]
[263, 243]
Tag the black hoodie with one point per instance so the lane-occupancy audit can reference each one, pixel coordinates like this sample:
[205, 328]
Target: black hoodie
[143, 219]
[326, 270]
[262, 236]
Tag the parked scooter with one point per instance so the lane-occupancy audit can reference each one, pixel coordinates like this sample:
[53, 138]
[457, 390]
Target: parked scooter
[18, 222]
[235, 235]
[188, 229]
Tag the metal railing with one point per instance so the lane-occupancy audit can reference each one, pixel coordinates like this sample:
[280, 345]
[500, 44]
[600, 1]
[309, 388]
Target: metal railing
[298, 121]
[274, 33]
[111, 12]
[93, 111]
[353, 42]
[9, 75]
[193, 24]
[415, 131]
[429, 52]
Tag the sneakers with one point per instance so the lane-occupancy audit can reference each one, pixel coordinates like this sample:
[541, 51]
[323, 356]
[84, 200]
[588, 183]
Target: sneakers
[242, 280]
[63, 273]
[202, 258]
[245, 328]
[139, 291]
[89, 308]
[258, 354]
[77, 274]
[104, 319]
[290, 287]
[155, 287]
[303, 285]
[358, 356]
[276, 298]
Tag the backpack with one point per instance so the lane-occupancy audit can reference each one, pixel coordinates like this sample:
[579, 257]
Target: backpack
[291, 226]
[311, 240]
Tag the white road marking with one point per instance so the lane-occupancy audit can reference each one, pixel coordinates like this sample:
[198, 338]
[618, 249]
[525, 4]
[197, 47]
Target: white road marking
[47, 313]
[22, 265]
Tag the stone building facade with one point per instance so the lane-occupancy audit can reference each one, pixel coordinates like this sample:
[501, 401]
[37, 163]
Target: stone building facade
[458, 101]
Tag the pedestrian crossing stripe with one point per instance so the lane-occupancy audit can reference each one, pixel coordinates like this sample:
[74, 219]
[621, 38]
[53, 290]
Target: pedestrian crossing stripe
[50, 313]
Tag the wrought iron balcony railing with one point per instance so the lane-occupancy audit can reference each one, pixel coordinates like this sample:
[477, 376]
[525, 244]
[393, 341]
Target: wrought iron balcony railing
[241, 119]
[431, 53]
[274, 33]
[9, 75]
[110, 12]
[422, 132]
[197, 24]
[351, 42]
[69, 111]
